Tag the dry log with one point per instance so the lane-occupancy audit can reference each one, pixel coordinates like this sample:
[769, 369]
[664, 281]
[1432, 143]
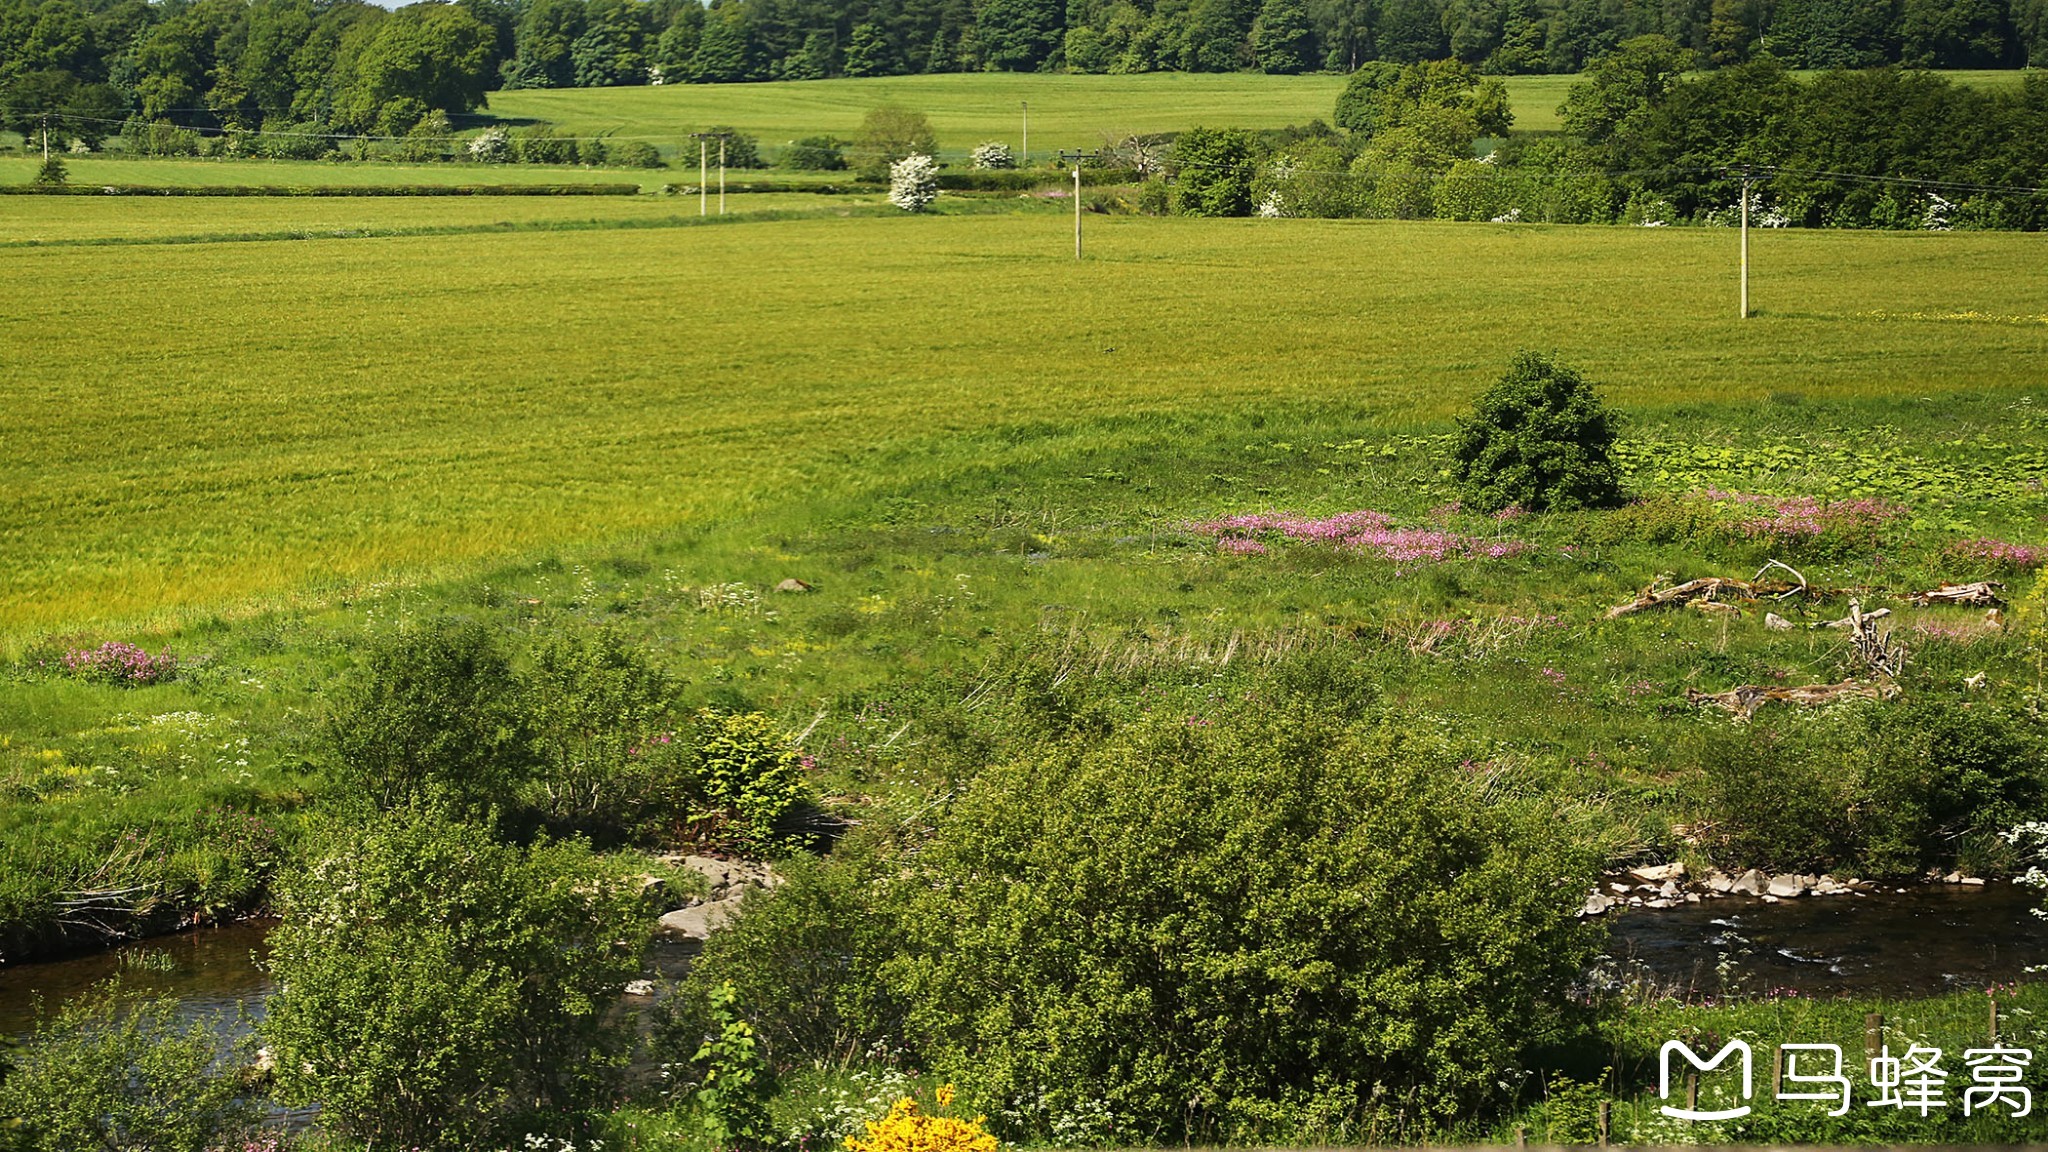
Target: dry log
[1745, 700]
[1849, 621]
[1981, 594]
[1706, 588]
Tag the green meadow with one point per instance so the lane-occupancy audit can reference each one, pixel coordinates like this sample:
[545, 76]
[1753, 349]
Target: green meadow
[272, 435]
[1066, 111]
[436, 402]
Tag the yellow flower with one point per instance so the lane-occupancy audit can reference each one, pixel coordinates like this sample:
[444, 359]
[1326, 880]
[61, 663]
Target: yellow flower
[945, 1095]
[904, 1129]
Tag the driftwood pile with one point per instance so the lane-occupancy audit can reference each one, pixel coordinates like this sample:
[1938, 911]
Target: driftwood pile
[1981, 594]
[1745, 700]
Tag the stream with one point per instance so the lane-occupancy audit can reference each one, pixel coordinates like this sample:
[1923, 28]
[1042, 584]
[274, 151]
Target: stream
[1926, 940]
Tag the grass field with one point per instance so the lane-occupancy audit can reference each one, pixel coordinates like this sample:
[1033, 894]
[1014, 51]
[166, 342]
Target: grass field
[88, 219]
[150, 172]
[989, 463]
[1066, 111]
[437, 402]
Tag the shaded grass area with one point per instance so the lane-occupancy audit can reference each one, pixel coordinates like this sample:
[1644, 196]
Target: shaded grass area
[437, 403]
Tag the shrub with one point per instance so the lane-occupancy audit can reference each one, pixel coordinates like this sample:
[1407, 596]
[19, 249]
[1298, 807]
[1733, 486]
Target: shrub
[1539, 439]
[1226, 930]
[741, 150]
[1215, 170]
[913, 183]
[432, 715]
[52, 172]
[1780, 799]
[749, 772]
[438, 989]
[604, 747]
[540, 145]
[993, 156]
[906, 1127]
[102, 1073]
[635, 154]
[491, 146]
[281, 140]
[815, 154]
[1940, 775]
[888, 134]
[732, 1090]
[117, 663]
[429, 139]
[160, 138]
[806, 960]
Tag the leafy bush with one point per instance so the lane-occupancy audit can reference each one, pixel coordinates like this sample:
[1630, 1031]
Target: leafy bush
[160, 138]
[437, 988]
[815, 154]
[433, 715]
[635, 154]
[604, 744]
[913, 183]
[1780, 799]
[115, 1074]
[806, 960]
[749, 772]
[283, 140]
[1214, 168]
[540, 145]
[1272, 923]
[888, 134]
[733, 1085]
[741, 150]
[1539, 439]
[52, 172]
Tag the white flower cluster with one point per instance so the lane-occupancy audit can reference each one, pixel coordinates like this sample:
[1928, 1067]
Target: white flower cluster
[914, 183]
[1940, 214]
[1272, 207]
[491, 146]
[994, 156]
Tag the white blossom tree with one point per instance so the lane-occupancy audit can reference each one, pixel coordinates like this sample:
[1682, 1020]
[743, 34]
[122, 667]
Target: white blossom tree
[914, 182]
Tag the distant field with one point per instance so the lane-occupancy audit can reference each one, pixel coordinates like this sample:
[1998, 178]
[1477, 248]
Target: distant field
[1066, 111]
[80, 219]
[115, 169]
[331, 411]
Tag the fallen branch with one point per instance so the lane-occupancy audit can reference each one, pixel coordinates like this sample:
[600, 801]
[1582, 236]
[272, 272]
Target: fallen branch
[1708, 589]
[1770, 564]
[1745, 700]
[1981, 594]
[1849, 621]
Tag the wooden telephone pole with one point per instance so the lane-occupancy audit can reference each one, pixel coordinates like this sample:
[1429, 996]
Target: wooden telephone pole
[1745, 243]
[704, 140]
[1076, 158]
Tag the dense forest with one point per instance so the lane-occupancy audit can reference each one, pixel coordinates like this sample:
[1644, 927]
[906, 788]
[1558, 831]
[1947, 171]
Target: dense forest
[352, 67]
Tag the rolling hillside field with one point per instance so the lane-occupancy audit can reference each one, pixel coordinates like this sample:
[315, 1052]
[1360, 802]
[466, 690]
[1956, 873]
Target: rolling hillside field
[1067, 111]
[435, 402]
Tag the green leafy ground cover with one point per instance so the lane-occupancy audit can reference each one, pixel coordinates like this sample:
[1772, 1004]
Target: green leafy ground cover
[994, 467]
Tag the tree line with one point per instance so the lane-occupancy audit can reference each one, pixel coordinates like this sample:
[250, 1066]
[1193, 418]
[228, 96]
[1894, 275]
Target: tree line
[1643, 142]
[355, 68]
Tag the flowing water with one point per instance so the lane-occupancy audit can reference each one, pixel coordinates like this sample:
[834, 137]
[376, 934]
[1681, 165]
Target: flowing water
[1923, 941]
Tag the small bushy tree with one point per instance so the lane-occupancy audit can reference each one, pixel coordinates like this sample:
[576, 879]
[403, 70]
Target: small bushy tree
[888, 134]
[993, 156]
[1214, 168]
[433, 715]
[438, 988]
[1538, 439]
[1274, 923]
[913, 183]
[815, 154]
[125, 1075]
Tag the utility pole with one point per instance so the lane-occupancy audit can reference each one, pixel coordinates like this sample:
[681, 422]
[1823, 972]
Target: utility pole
[1024, 153]
[46, 138]
[704, 140]
[1077, 158]
[1745, 243]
